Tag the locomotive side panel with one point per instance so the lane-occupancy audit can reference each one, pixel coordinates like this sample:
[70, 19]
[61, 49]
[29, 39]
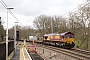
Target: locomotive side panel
[54, 38]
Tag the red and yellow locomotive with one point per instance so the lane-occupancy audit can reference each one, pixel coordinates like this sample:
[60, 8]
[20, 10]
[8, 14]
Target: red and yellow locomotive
[64, 40]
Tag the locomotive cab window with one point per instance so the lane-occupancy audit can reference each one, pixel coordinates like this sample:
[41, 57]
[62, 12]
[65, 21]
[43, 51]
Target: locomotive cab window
[62, 36]
[71, 36]
[66, 36]
[46, 37]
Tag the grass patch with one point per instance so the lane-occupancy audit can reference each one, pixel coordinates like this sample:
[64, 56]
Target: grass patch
[78, 42]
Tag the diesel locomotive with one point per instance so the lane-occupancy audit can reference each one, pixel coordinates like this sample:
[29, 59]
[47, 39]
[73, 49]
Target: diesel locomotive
[63, 40]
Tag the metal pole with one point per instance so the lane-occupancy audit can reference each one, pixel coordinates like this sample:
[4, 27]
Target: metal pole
[27, 34]
[43, 49]
[7, 35]
[15, 37]
[43, 28]
[52, 24]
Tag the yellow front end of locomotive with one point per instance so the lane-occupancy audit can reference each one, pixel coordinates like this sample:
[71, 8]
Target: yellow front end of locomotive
[69, 40]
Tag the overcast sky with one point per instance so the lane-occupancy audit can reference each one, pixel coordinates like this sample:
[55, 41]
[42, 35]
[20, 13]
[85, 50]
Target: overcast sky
[27, 10]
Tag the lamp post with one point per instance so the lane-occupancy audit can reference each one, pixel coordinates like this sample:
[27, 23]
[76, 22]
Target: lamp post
[15, 37]
[7, 34]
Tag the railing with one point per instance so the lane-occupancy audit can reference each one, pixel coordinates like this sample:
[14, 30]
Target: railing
[3, 49]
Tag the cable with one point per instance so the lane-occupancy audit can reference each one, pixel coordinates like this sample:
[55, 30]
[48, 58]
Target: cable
[86, 3]
[15, 17]
[3, 3]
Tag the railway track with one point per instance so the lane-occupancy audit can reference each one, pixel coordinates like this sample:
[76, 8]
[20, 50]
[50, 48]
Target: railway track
[76, 53]
[81, 51]
[35, 56]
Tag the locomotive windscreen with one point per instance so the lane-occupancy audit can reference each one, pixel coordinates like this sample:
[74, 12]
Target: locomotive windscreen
[69, 35]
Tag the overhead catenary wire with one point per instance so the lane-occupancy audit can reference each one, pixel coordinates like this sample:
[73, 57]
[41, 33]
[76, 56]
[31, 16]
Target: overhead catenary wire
[3, 3]
[15, 17]
[5, 6]
[84, 4]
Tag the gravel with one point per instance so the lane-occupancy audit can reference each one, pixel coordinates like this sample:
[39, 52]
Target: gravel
[52, 55]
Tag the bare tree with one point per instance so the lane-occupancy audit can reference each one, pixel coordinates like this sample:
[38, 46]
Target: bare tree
[42, 23]
[2, 31]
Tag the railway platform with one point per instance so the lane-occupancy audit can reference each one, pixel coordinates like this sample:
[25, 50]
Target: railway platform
[20, 54]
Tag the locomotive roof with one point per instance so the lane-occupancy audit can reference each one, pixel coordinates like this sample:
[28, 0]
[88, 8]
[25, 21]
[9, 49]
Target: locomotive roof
[51, 34]
[64, 33]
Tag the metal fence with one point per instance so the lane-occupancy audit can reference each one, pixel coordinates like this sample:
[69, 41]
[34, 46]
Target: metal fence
[3, 49]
